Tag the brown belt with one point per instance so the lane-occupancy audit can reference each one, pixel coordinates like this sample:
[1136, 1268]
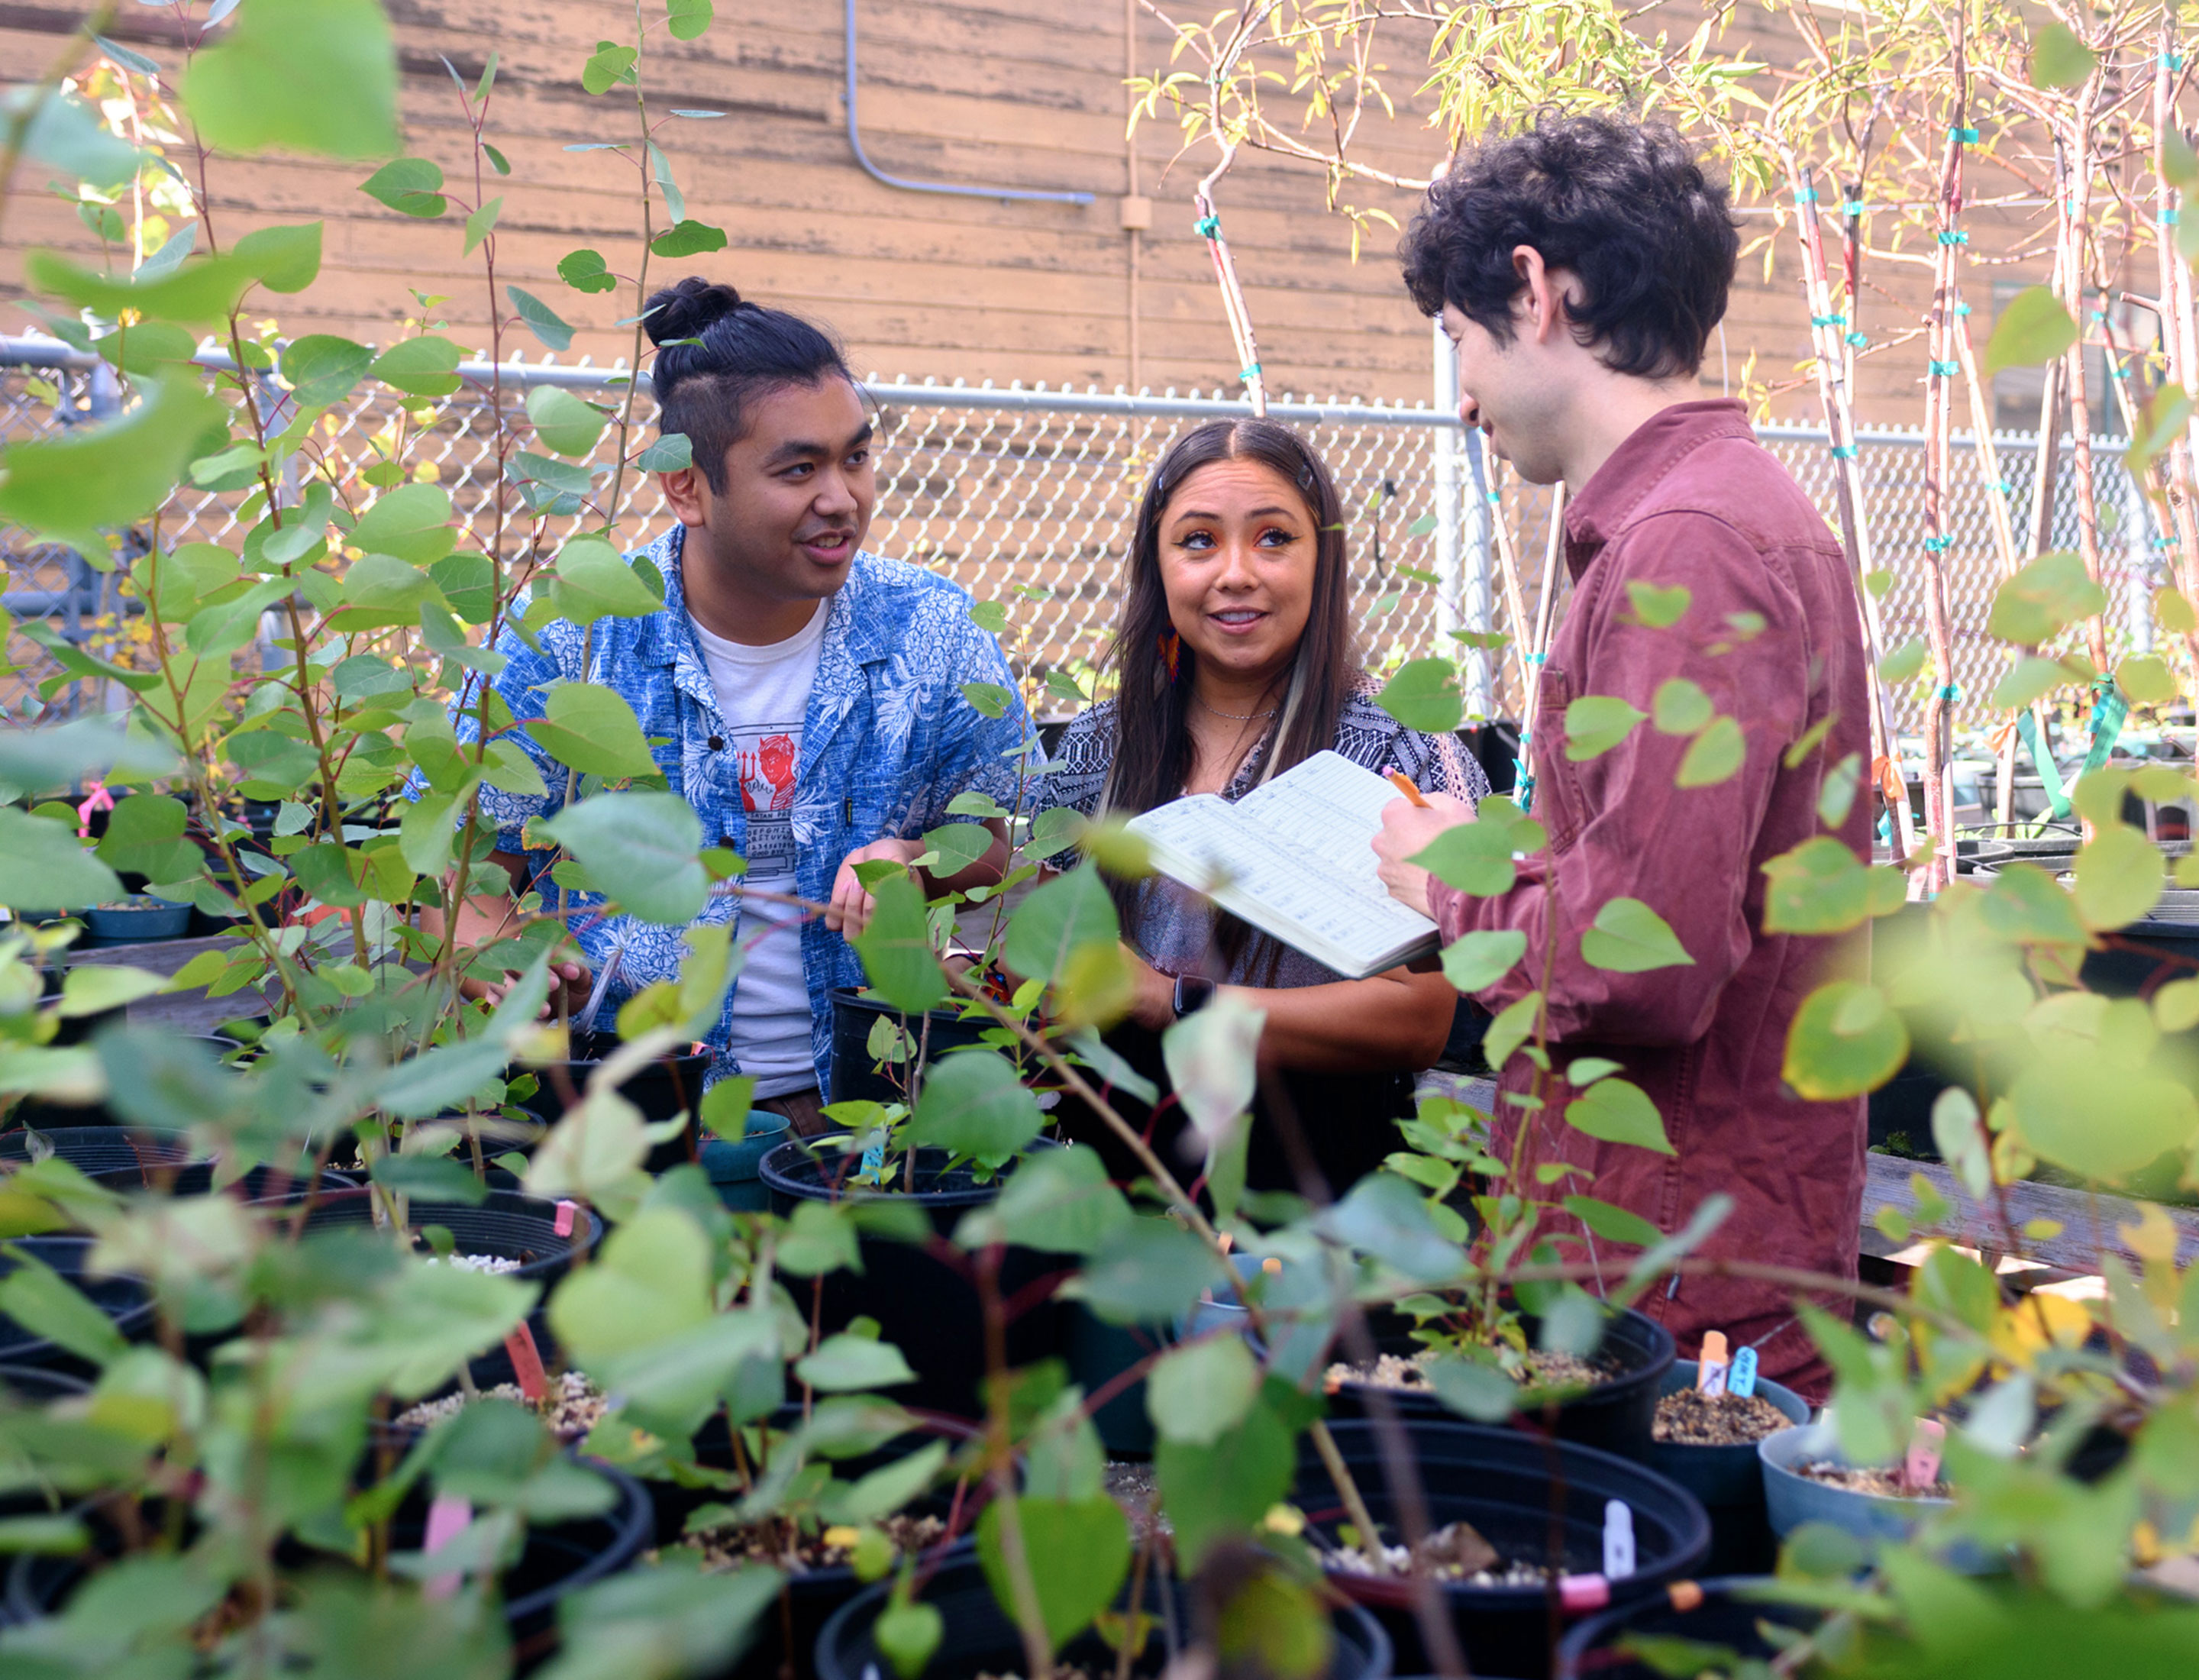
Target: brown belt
[804, 1110]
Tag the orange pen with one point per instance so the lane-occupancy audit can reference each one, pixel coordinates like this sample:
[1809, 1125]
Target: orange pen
[1403, 784]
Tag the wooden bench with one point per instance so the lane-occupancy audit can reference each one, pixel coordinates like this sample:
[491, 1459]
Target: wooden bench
[2091, 1220]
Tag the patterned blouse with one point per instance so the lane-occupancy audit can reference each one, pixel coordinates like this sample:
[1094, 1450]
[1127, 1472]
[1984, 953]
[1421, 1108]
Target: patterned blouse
[1173, 928]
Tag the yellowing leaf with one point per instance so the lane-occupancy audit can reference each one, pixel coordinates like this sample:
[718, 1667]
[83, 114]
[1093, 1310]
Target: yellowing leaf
[1844, 1042]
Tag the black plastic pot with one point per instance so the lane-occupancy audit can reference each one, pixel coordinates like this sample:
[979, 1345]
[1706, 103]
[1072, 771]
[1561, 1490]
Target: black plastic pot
[855, 1076]
[927, 1309]
[1512, 1487]
[789, 1633]
[1615, 1416]
[127, 1302]
[37, 1383]
[138, 1158]
[507, 1225]
[660, 1090]
[1728, 1480]
[1591, 1652]
[981, 1639]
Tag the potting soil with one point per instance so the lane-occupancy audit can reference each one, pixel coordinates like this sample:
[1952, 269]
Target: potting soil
[496, 1264]
[1456, 1554]
[736, 1545]
[1884, 1484]
[1690, 1418]
[1538, 1370]
[568, 1411]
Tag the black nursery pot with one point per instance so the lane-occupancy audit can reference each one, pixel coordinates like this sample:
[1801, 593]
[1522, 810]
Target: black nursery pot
[1616, 1416]
[1591, 1652]
[127, 1302]
[1728, 1480]
[785, 1636]
[507, 1225]
[1510, 1486]
[926, 1308]
[981, 1639]
[855, 1076]
[660, 1090]
[138, 1158]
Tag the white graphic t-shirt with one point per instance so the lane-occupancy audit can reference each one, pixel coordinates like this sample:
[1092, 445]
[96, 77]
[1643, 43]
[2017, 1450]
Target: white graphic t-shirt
[763, 694]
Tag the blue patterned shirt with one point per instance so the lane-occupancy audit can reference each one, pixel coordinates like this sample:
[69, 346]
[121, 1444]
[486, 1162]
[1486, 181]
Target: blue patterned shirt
[887, 741]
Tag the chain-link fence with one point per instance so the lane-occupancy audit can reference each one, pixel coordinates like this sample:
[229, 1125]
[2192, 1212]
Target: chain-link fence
[1027, 496]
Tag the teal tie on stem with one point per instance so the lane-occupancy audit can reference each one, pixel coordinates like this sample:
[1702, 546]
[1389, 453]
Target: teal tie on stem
[1953, 237]
[1938, 544]
[1859, 339]
[1844, 451]
[1208, 227]
[1945, 370]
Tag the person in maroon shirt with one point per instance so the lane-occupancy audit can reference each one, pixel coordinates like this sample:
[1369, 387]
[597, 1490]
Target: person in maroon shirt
[1580, 267]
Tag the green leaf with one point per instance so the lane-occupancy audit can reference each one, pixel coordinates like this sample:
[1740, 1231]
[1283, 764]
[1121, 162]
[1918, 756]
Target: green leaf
[145, 837]
[1822, 887]
[990, 617]
[1386, 1218]
[2059, 60]
[1425, 694]
[897, 948]
[1629, 937]
[565, 422]
[2048, 595]
[1058, 1200]
[973, 1104]
[114, 473]
[647, 1623]
[1659, 609]
[987, 699]
[1481, 959]
[2033, 328]
[66, 132]
[592, 729]
[688, 239]
[1680, 708]
[1845, 1042]
[434, 1178]
[1596, 723]
[1476, 857]
[541, 318]
[908, 1633]
[650, 1282]
[1058, 920]
[1714, 756]
[1222, 1491]
[35, 761]
[686, 19]
[92, 988]
[315, 76]
[285, 259]
[481, 224]
[593, 581]
[322, 369]
[427, 367]
[1078, 1550]
[669, 453]
[1617, 1111]
[585, 271]
[47, 1304]
[42, 866]
[2119, 878]
[2031, 678]
[1901, 666]
[2146, 681]
[955, 847]
[845, 1362]
[1513, 1026]
[2090, 1112]
[1201, 1391]
[644, 846]
[1473, 1389]
[1615, 1224]
[1147, 1270]
[607, 66]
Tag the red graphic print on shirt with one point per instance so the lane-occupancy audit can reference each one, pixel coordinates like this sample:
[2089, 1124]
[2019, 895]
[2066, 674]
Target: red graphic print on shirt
[766, 757]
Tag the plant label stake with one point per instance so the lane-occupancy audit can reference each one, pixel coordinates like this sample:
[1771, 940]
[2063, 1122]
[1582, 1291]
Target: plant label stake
[1923, 1466]
[527, 1362]
[448, 1517]
[563, 1225]
[1711, 1367]
[1741, 1380]
[1578, 1595]
[1618, 1540]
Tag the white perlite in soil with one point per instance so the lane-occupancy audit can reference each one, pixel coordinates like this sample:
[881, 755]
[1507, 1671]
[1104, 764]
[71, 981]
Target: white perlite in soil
[496, 1264]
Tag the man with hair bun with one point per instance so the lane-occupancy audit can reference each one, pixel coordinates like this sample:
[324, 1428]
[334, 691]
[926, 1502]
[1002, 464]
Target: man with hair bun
[806, 695]
[1580, 268]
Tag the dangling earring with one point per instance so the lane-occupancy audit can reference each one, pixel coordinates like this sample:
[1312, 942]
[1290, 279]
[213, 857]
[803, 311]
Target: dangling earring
[1171, 650]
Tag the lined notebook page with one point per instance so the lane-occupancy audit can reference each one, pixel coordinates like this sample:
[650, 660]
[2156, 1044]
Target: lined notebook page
[1295, 858]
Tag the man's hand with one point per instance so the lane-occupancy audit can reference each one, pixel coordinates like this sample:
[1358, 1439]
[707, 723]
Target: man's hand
[574, 978]
[1407, 830]
[850, 911]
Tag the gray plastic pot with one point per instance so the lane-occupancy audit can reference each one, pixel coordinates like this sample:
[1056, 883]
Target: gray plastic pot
[1728, 1480]
[145, 918]
[1791, 1499]
[733, 1167]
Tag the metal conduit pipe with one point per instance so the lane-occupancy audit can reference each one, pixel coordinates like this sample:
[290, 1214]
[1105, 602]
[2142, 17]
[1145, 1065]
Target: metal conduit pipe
[862, 157]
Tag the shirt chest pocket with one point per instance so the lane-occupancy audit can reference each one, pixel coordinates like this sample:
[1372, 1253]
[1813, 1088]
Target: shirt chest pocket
[1557, 799]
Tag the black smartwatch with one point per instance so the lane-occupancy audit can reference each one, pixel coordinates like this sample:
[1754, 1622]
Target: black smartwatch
[1194, 992]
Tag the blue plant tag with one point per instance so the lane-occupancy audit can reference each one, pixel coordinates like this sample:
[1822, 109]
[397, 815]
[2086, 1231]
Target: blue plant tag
[1740, 1381]
[874, 1161]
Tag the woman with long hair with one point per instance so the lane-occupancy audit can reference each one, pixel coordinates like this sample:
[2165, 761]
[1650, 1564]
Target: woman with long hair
[1236, 661]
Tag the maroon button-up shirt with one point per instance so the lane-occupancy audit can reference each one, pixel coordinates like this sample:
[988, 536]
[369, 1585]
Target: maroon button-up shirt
[1771, 635]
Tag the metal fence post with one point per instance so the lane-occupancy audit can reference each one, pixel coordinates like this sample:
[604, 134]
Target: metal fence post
[1461, 534]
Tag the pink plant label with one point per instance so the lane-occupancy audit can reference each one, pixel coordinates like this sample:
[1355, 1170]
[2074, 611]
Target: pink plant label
[1578, 1595]
[565, 1212]
[527, 1362]
[1923, 1469]
[1741, 1380]
[447, 1518]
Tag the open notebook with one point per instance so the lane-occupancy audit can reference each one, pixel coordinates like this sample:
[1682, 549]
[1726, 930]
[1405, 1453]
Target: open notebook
[1295, 858]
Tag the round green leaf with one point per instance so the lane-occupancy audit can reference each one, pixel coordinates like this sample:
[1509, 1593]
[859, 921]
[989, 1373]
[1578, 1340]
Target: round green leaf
[1845, 1042]
[1596, 723]
[427, 367]
[644, 846]
[285, 259]
[1617, 1111]
[324, 368]
[2059, 60]
[2052, 593]
[593, 580]
[1822, 887]
[973, 1104]
[1680, 708]
[1629, 937]
[1202, 1390]
[2034, 328]
[1481, 959]
[2095, 1114]
[299, 75]
[1064, 915]
[1424, 695]
[1079, 1551]
[897, 948]
[1715, 755]
[565, 422]
[42, 866]
[592, 729]
[2119, 878]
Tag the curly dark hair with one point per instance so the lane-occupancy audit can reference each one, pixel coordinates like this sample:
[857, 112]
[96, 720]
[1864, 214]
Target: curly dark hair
[1624, 206]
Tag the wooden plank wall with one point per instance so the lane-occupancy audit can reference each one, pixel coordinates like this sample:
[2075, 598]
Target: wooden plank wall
[1014, 92]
